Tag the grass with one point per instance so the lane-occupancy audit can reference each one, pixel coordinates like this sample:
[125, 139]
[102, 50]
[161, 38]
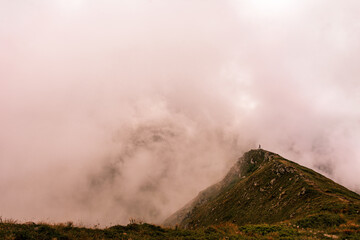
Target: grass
[272, 191]
[134, 231]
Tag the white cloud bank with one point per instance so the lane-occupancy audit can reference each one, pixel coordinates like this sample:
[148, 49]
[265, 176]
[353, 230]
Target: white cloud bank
[119, 109]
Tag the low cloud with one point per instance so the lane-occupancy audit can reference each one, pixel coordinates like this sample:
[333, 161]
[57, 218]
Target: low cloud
[120, 109]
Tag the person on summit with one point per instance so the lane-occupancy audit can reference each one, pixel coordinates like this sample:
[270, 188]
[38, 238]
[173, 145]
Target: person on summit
[259, 146]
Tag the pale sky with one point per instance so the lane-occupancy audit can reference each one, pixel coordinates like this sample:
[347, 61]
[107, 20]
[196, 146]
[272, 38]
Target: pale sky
[113, 110]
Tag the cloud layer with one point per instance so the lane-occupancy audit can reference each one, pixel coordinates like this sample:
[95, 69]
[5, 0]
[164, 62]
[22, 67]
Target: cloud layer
[125, 109]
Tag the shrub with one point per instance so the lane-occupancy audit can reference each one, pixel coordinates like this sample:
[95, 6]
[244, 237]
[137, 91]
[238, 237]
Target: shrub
[320, 221]
[265, 229]
[210, 230]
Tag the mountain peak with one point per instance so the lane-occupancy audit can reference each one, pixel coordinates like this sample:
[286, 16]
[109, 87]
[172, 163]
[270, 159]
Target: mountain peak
[249, 163]
[263, 187]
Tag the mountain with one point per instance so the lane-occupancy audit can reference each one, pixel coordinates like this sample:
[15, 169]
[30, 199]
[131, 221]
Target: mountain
[264, 196]
[263, 187]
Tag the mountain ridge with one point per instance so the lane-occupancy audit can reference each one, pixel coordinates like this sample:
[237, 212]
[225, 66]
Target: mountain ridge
[263, 187]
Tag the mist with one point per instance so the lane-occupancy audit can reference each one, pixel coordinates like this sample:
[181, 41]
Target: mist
[113, 110]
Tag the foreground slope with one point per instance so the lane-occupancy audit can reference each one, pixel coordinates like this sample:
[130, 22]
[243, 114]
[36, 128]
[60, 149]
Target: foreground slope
[263, 187]
[42, 231]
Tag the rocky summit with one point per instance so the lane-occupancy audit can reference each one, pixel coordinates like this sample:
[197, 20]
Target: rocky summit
[263, 187]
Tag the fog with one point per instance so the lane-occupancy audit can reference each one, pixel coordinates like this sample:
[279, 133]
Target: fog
[113, 110]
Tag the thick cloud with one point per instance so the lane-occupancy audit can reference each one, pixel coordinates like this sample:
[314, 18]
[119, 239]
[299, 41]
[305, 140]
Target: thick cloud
[120, 109]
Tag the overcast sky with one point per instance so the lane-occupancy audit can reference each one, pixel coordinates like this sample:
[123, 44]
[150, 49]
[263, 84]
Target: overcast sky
[113, 110]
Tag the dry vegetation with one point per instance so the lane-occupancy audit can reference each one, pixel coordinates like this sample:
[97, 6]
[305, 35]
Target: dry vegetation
[9, 230]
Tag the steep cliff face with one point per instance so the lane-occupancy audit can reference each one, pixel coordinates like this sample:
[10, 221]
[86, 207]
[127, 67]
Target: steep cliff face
[263, 187]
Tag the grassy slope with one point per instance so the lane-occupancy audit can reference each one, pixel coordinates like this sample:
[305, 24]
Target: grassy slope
[12, 231]
[267, 188]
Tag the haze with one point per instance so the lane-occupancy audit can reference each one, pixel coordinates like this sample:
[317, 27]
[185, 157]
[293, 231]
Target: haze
[113, 110]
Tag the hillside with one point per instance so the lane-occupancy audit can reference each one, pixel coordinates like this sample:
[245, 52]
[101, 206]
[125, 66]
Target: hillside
[140, 231]
[263, 187]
